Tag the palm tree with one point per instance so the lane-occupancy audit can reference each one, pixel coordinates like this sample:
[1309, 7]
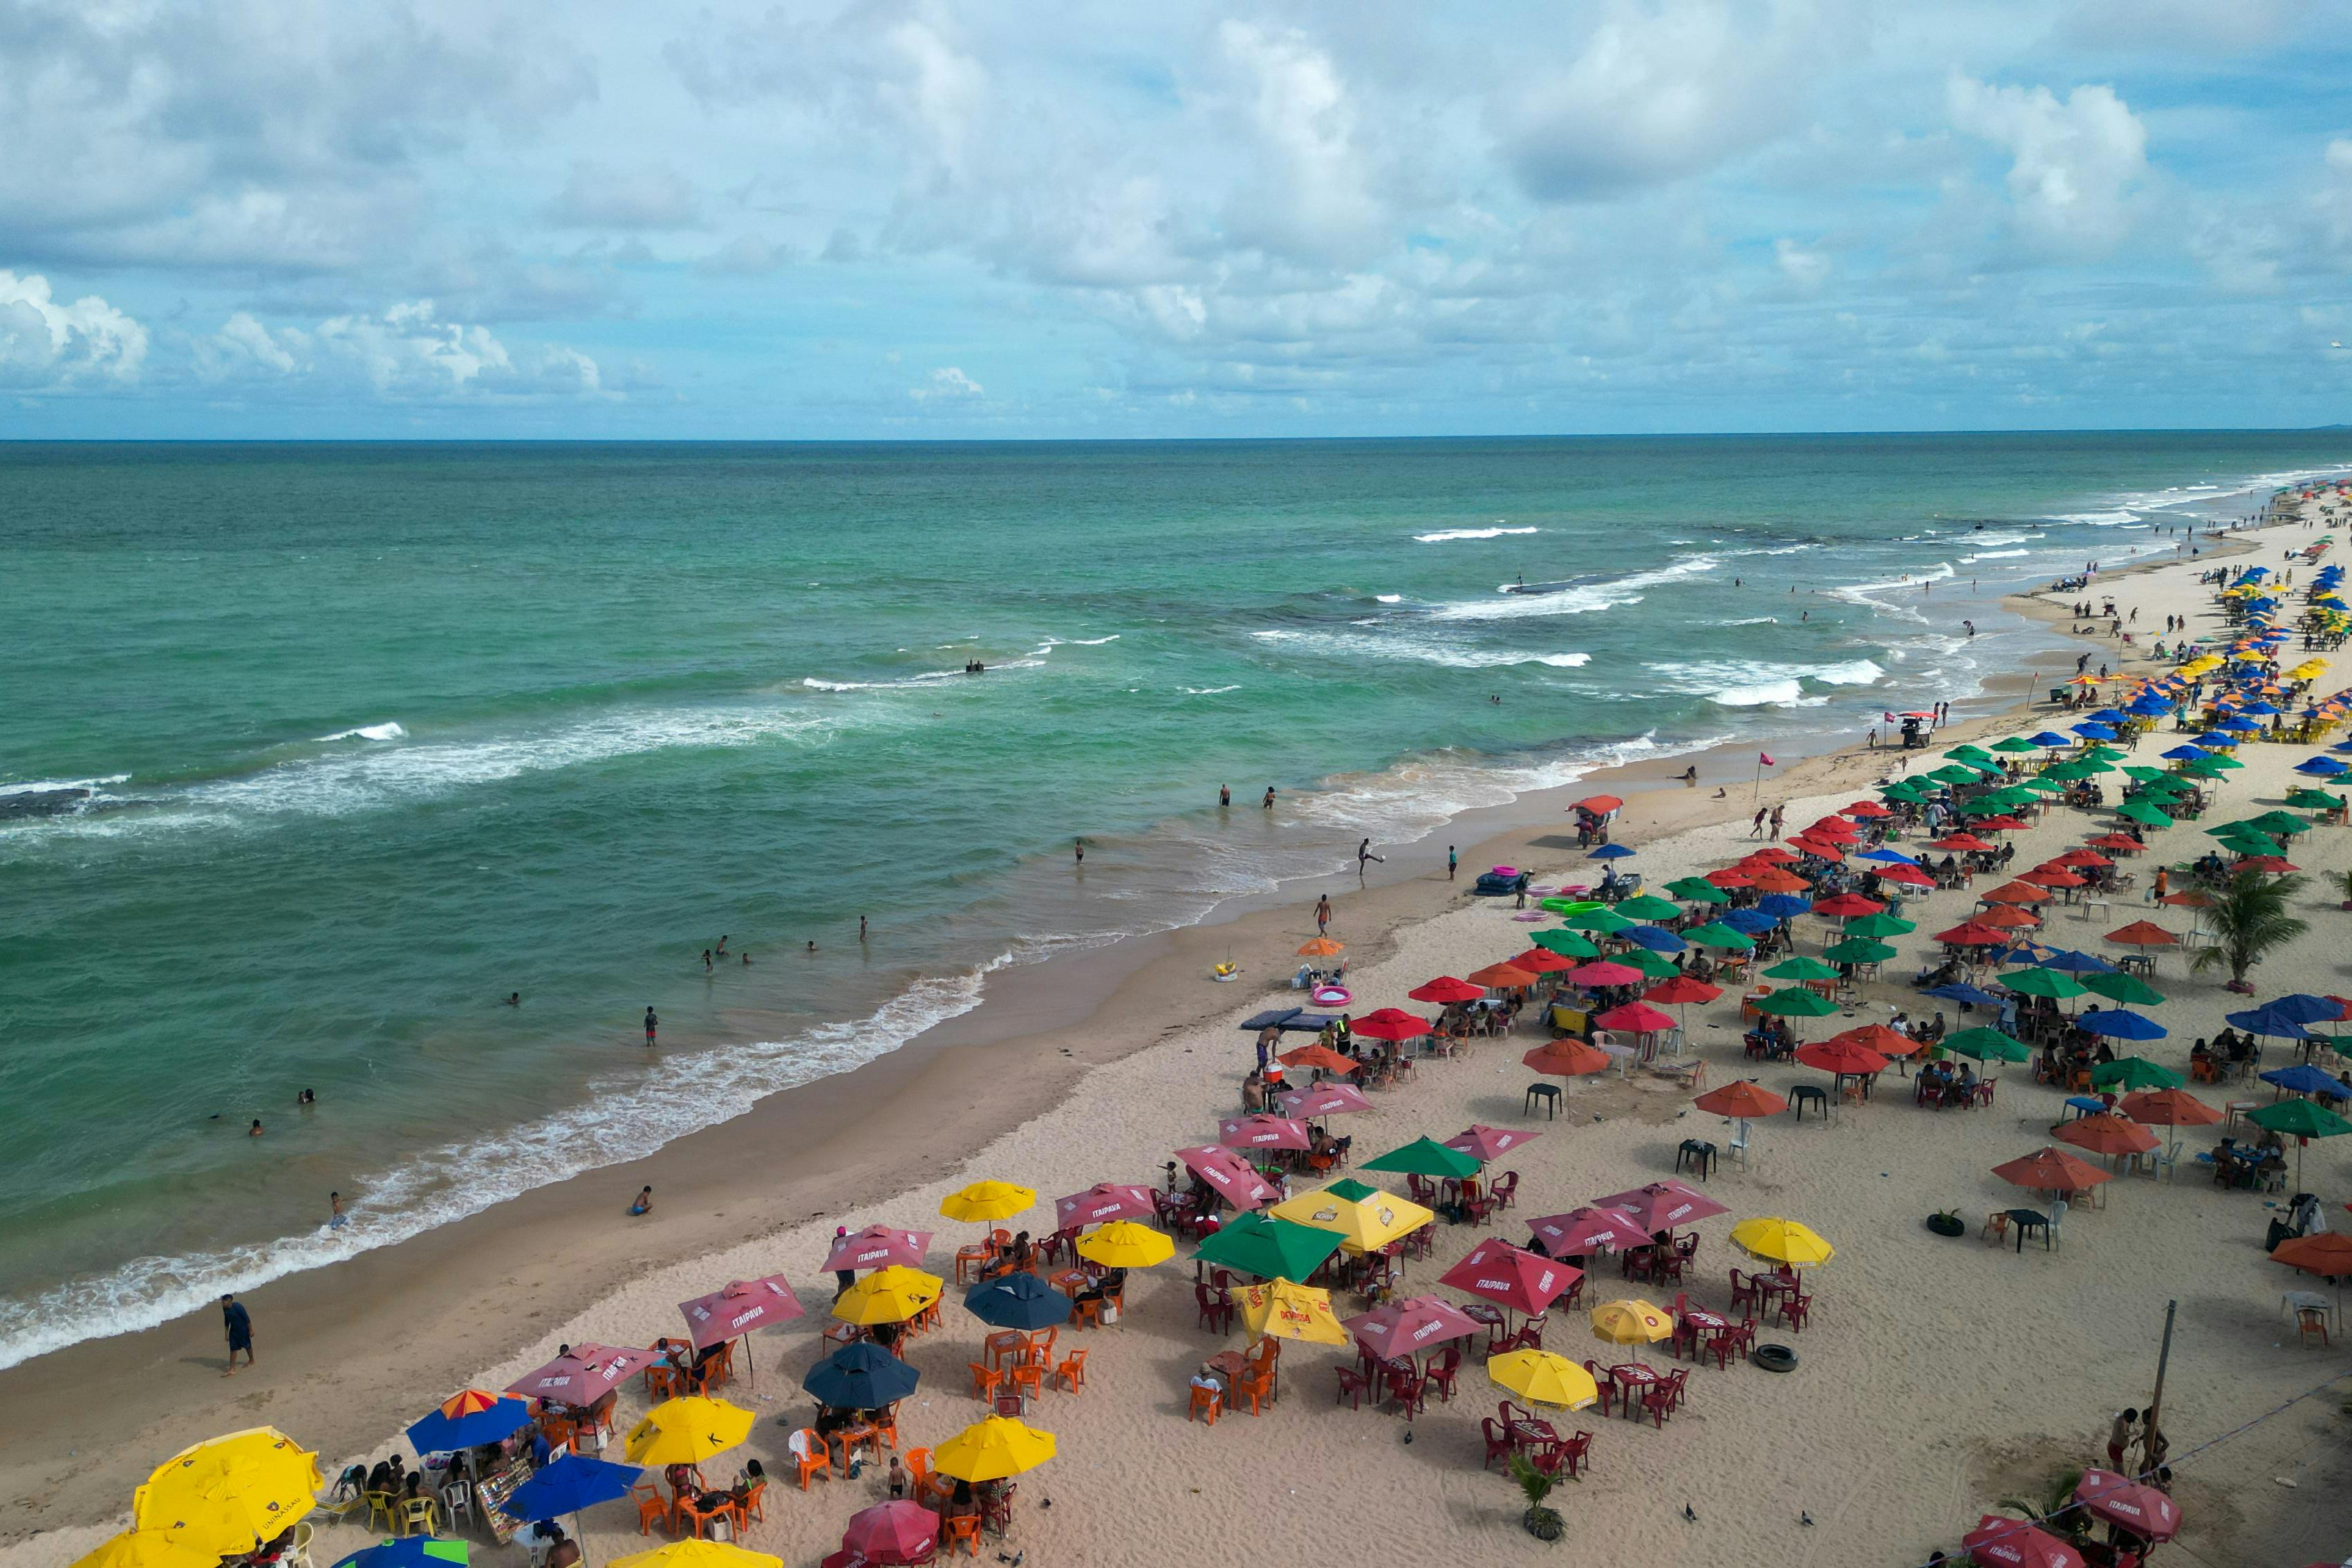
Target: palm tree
[2249, 918]
[1542, 1521]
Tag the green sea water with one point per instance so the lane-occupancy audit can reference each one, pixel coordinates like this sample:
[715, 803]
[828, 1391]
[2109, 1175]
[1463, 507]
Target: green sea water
[337, 746]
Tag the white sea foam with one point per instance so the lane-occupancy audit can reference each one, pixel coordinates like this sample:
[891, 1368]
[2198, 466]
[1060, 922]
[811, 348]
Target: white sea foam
[389, 730]
[1581, 599]
[37, 787]
[1404, 645]
[1080, 642]
[2108, 519]
[1994, 555]
[1754, 683]
[1450, 534]
[1388, 598]
[1207, 690]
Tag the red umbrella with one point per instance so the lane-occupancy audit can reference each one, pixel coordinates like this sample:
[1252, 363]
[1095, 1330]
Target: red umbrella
[1534, 961]
[2141, 933]
[1959, 841]
[2326, 1253]
[2168, 1108]
[1233, 1178]
[1908, 876]
[2105, 1133]
[877, 1246]
[1743, 1100]
[1323, 1099]
[583, 1376]
[1103, 1201]
[1500, 977]
[2051, 1171]
[743, 1305]
[1262, 1132]
[1446, 989]
[2001, 823]
[1876, 1037]
[1819, 848]
[1635, 1018]
[1832, 1056]
[1770, 855]
[1682, 990]
[1836, 829]
[1483, 1143]
[1389, 1024]
[2081, 858]
[1846, 905]
[1969, 934]
[1662, 1206]
[2014, 893]
[1567, 1058]
[1600, 972]
[1415, 1324]
[1589, 1230]
[1999, 1542]
[1728, 877]
[2052, 876]
[2122, 841]
[2008, 917]
[1510, 1276]
[2124, 1503]
[1869, 809]
[891, 1532]
[2269, 864]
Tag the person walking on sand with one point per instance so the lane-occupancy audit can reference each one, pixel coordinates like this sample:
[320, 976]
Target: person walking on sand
[239, 1324]
[1450, 861]
[1323, 915]
[1779, 815]
[2119, 1436]
[1755, 829]
[651, 1024]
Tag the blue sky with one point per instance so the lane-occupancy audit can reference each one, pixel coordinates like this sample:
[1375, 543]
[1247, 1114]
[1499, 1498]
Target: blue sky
[901, 218]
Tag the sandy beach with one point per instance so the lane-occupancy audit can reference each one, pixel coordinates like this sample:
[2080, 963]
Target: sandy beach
[1937, 1378]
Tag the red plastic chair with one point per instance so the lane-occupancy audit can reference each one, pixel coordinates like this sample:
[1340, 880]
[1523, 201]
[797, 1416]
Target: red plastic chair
[1441, 1373]
[1354, 1383]
[1409, 1389]
[1604, 1380]
[1216, 1312]
[1744, 1292]
[1794, 1307]
[1658, 1399]
[1498, 1441]
[1506, 1190]
[1570, 1454]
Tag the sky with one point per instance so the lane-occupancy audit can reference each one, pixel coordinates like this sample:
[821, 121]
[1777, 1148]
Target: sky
[903, 219]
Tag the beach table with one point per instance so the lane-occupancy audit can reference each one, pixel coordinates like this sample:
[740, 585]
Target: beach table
[1011, 1342]
[1486, 1314]
[1633, 1380]
[1526, 1431]
[1070, 1282]
[1707, 1326]
[2293, 1302]
[2024, 1220]
[841, 1334]
[2082, 1105]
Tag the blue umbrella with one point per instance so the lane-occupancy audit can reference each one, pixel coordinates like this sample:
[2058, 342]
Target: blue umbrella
[1783, 906]
[2107, 716]
[2119, 1023]
[409, 1552]
[1610, 852]
[1891, 856]
[1657, 939]
[2026, 953]
[2214, 741]
[2074, 962]
[2047, 739]
[2322, 767]
[2095, 732]
[1016, 1301]
[573, 1482]
[1746, 922]
[2304, 1079]
[441, 1433]
[2260, 708]
[2269, 1021]
[863, 1376]
[2305, 1008]
[2238, 723]
[1956, 992]
[2341, 746]
[2184, 754]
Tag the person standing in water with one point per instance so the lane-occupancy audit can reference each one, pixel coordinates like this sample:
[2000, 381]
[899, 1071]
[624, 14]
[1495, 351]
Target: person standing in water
[1224, 795]
[1079, 847]
[1267, 804]
[651, 1024]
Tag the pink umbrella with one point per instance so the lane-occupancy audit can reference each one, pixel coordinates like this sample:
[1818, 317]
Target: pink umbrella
[1998, 1542]
[891, 1532]
[1104, 1201]
[1262, 1132]
[1589, 1230]
[2124, 1503]
[1600, 972]
[1510, 1276]
[583, 1376]
[1662, 1206]
[1483, 1143]
[1635, 1018]
[743, 1306]
[1404, 1328]
[1323, 1099]
[1233, 1178]
[877, 1246]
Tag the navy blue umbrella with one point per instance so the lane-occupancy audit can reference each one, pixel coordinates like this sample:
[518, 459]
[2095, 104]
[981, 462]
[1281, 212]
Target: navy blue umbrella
[440, 1433]
[2304, 1079]
[1016, 1301]
[1610, 852]
[1746, 922]
[2322, 767]
[864, 1376]
[1783, 906]
[2119, 1023]
[2269, 1020]
[2047, 739]
[1657, 939]
[2184, 754]
[2074, 962]
[408, 1551]
[2095, 732]
[574, 1482]
[2305, 1008]
[1889, 855]
[1956, 992]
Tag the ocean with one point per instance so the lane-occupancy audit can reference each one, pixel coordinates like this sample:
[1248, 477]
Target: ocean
[312, 755]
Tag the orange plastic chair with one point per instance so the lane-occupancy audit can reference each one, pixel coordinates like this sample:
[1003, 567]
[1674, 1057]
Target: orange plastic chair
[985, 1381]
[1029, 1378]
[1073, 1370]
[652, 1506]
[1254, 1389]
[1041, 1345]
[2310, 1320]
[885, 1426]
[918, 1473]
[819, 1460]
[963, 1528]
[747, 1508]
[1206, 1402]
[1086, 1314]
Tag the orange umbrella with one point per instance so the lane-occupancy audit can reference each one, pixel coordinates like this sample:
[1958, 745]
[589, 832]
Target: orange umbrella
[1876, 1037]
[2168, 1108]
[2051, 1171]
[2106, 1133]
[1682, 988]
[1501, 977]
[1319, 1055]
[1777, 881]
[2186, 900]
[2141, 934]
[2327, 1253]
[2008, 917]
[1567, 1058]
[1972, 933]
[1322, 947]
[2014, 893]
[1743, 1100]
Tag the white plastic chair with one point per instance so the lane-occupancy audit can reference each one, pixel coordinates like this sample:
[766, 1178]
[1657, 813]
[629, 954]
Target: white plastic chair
[458, 1502]
[298, 1555]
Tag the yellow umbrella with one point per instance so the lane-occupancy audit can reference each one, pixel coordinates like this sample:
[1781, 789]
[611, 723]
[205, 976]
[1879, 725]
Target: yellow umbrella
[889, 1295]
[686, 1431]
[988, 1201]
[697, 1555]
[1780, 1241]
[1123, 1244]
[230, 1495]
[1544, 1377]
[1282, 1310]
[1631, 1322]
[992, 1449]
[147, 1549]
[1366, 1217]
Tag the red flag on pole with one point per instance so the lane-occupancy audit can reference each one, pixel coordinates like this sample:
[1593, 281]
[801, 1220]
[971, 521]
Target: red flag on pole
[1765, 758]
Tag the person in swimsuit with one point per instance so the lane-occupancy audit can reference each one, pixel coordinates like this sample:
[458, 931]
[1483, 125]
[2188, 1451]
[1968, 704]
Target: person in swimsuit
[650, 1023]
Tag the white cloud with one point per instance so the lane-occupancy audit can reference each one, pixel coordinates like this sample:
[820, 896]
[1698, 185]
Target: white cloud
[46, 343]
[1308, 194]
[1803, 268]
[947, 385]
[2075, 163]
[406, 352]
[648, 197]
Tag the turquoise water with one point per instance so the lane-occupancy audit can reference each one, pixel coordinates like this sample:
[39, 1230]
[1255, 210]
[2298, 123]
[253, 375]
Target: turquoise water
[374, 736]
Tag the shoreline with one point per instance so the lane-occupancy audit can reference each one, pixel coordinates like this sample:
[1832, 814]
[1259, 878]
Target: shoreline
[431, 1310]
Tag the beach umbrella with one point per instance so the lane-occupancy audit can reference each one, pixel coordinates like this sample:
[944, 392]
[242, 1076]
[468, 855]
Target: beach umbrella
[1495, 977]
[1543, 1377]
[1409, 1326]
[2105, 1133]
[2119, 987]
[1606, 922]
[571, 1483]
[2074, 962]
[1716, 934]
[2010, 917]
[994, 1449]
[2052, 877]
[697, 1553]
[736, 1308]
[1269, 1249]
[1971, 933]
[1279, 1310]
[2139, 1510]
[1846, 906]
[897, 1532]
[1566, 1059]
[1365, 1218]
[688, 1431]
[2270, 1021]
[1746, 922]
[407, 1552]
[1319, 1056]
[1783, 906]
[2054, 983]
[1698, 891]
[889, 1295]
[1742, 1100]
[1878, 927]
[229, 1495]
[584, 1374]
[2119, 1024]
[1985, 1043]
[1567, 944]
[1633, 1019]
[1591, 1228]
[2134, 1072]
[1787, 1242]
[2015, 893]
[1857, 949]
[1803, 968]
[1662, 1206]
[2311, 799]
[2168, 1108]
[2305, 1008]
[1322, 947]
[468, 1419]
[1601, 972]
[1680, 992]
[1104, 1201]
[1632, 1322]
[2140, 811]
[1974, 995]
[1124, 1244]
[1483, 1143]
[1795, 1002]
[2326, 1253]
[1878, 1037]
[1844, 1060]
[1424, 1157]
[2142, 933]
[1393, 1024]
[2322, 768]
[1446, 989]
[1541, 961]
[2299, 1119]
[1510, 1277]
[146, 1549]
[1648, 907]
[2051, 1170]
[1229, 1176]
[1610, 852]
[988, 1201]
[1907, 876]
[1263, 1131]
[2304, 1079]
[864, 1376]
[1323, 1099]
[1999, 1542]
[1656, 939]
[1017, 1301]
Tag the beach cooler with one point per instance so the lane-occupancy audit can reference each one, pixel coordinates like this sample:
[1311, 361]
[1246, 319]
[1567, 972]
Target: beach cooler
[1569, 1021]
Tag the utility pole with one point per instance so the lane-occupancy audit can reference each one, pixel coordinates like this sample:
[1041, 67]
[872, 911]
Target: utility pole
[2163, 1358]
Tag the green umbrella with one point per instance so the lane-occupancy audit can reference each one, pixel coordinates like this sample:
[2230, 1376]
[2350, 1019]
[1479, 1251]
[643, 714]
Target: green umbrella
[1984, 805]
[1904, 789]
[2282, 822]
[2311, 799]
[1656, 965]
[1424, 1157]
[2043, 786]
[1270, 1249]
[1606, 922]
[1697, 890]
[1970, 753]
[1879, 925]
[1648, 907]
[2016, 745]
[1803, 968]
[2298, 1119]
[1955, 774]
[2217, 764]
[2123, 988]
[2067, 773]
[1796, 1001]
[1715, 934]
[2101, 754]
[2135, 1072]
[1985, 1045]
[1856, 950]
[2056, 984]
[2140, 811]
[2146, 775]
[1567, 944]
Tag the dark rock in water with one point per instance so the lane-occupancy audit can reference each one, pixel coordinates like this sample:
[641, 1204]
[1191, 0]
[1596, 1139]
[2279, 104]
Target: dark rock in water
[41, 802]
